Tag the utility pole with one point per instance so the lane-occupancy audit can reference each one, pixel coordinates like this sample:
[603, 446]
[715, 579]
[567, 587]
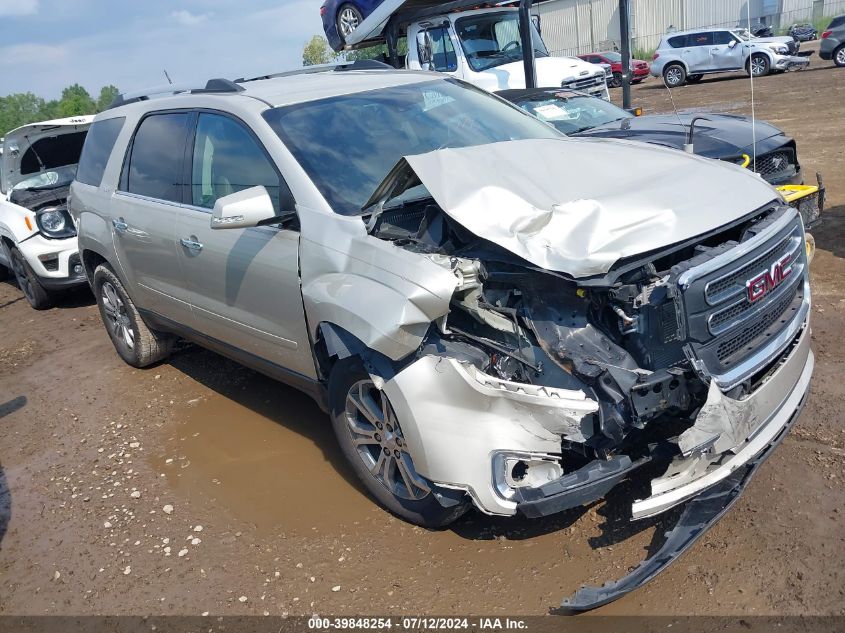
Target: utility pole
[625, 34]
[527, 43]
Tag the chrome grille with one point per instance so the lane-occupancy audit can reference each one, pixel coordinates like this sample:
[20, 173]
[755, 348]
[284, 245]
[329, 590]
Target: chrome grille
[726, 324]
[583, 84]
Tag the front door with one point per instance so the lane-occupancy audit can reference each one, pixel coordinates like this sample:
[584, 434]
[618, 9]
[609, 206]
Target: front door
[144, 212]
[726, 51]
[243, 284]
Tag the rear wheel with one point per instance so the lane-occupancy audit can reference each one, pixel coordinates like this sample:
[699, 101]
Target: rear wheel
[32, 289]
[348, 19]
[694, 79]
[134, 342]
[371, 439]
[839, 56]
[674, 75]
[758, 66]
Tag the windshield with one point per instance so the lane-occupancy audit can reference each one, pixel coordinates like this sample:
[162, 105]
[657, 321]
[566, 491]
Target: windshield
[492, 39]
[612, 56]
[52, 179]
[571, 115]
[348, 144]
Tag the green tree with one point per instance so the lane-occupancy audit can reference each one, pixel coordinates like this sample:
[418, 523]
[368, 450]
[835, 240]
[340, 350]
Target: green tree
[19, 109]
[75, 101]
[107, 95]
[317, 51]
[378, 52]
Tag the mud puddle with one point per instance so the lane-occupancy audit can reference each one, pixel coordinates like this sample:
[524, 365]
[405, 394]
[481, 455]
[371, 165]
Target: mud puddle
[270, 460]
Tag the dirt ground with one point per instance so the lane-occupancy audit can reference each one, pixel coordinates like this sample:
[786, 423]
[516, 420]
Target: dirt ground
[199, 486]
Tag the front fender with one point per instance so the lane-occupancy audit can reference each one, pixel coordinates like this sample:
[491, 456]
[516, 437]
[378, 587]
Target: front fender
[13, 222]
[382, 318]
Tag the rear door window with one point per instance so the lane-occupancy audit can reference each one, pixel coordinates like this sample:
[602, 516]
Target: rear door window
[701, 39]
[98, 147]
[155, 162]
[228, 159]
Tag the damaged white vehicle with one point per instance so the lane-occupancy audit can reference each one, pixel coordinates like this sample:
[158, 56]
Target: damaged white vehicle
[489, 322]
[37, 238]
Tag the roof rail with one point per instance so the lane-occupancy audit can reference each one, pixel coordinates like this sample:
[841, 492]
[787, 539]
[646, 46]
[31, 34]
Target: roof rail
[361, 64]
[215, 86]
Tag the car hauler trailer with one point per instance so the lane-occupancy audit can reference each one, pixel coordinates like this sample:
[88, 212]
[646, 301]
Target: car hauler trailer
[495, 46]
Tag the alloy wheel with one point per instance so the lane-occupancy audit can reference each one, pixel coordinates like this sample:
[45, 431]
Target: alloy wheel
[118, 322]
[758, 66]
[840, 57]
[379, 442]
[348, 20]
[673, 76]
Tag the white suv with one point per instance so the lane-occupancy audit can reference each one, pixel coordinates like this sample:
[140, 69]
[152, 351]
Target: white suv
[686, 56]
[38, 237]
[488, 320]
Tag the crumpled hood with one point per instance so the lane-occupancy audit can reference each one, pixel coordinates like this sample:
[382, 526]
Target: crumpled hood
[17, 148]
[723, 136]
[553, 202]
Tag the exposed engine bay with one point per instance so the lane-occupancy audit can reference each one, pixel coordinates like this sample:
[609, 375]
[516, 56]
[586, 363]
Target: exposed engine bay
[619, 338]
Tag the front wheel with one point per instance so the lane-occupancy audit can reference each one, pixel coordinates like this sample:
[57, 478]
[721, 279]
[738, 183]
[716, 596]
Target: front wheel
[348, 19]
[839, 56]
[371, 439]
[134, 342]
[674, 75]
[616, 82]
[32, 289]
[758, 66]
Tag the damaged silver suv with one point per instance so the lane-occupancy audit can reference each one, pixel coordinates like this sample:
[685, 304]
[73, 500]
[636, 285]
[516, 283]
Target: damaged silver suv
[488, 320]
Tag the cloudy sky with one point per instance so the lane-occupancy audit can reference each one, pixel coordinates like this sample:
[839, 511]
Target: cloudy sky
[49, 44]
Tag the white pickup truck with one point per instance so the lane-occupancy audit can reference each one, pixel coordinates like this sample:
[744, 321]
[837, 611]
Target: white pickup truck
[480, 46]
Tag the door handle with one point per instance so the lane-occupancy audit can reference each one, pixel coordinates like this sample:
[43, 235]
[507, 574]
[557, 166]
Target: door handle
[714, 50]
[191, 244]
[119, 225]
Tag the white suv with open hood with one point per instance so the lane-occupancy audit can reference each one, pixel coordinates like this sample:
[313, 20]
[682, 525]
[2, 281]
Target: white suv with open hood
[37, 165]
[488, 319]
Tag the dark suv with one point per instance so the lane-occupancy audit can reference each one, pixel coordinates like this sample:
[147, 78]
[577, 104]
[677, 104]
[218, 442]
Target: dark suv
[833, 41]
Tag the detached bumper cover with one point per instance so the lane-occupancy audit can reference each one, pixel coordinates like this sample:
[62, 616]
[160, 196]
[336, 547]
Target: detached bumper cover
[700, 514]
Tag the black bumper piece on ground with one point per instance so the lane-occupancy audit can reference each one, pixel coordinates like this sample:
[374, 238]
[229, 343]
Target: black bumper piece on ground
[699, 515]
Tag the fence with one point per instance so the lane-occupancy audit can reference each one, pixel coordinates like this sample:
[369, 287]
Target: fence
[572, 27]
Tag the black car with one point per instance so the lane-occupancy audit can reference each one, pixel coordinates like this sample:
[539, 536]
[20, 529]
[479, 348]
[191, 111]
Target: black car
[723, 136]
[803, 32]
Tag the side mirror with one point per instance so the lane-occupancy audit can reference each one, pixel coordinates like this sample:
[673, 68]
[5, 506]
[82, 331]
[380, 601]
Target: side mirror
[732, 43]
[243, 209]
[424, 49]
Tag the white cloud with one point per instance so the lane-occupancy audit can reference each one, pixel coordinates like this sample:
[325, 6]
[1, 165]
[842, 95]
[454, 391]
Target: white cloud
[18, 7]
[186, 18]
[27, 55]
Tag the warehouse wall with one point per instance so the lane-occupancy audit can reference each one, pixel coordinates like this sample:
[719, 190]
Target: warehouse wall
[571, 27]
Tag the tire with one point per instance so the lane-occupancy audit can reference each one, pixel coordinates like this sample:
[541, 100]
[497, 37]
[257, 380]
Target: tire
[839, 56]
[380, 459]
[760, 65]
[674, 75]
[616, 82]
[134, 342]
[28, 282]
[4, 273]
[694, 79]
[348, 19]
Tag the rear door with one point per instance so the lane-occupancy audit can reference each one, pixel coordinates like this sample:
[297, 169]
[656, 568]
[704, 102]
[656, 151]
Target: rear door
[697, 52]
[144, 214]
[243, 284]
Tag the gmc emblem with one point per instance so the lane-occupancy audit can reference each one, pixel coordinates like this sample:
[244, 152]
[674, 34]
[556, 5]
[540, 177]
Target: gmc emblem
[761, 285]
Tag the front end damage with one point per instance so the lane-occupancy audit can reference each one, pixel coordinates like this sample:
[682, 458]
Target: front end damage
[539, 391]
